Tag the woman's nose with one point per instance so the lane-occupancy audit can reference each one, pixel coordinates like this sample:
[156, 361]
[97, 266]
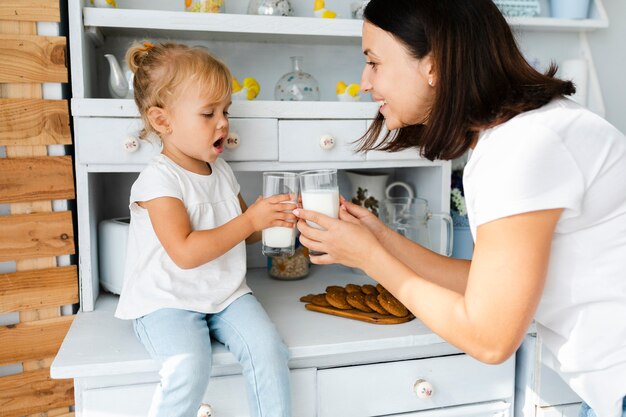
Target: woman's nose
[366, 85]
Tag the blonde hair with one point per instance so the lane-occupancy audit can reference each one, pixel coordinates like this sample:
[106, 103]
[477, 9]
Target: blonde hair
[162, 69]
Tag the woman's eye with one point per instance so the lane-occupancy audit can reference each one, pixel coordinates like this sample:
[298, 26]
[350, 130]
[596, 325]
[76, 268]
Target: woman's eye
[371, 64]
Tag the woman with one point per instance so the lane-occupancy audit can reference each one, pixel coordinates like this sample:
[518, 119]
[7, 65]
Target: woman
[545, 192]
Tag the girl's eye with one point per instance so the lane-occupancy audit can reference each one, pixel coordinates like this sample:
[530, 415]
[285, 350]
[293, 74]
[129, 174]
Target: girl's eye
[226, 114]
[207, 115]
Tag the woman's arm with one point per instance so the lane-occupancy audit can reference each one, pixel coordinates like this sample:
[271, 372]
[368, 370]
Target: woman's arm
[504, 285]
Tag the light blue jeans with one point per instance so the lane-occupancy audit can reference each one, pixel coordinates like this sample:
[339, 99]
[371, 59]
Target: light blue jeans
[181, 341]
[586, 411]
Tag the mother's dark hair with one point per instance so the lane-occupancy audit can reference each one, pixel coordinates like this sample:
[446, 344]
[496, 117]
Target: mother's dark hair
[482, 77]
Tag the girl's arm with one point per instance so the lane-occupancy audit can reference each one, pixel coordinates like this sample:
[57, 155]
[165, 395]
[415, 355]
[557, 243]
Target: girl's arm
[504, 283]
[191, 248]
[255, 236]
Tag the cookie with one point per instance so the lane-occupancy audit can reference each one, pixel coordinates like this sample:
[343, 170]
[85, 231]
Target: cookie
[350, 288]
[380, 289]
[372, 302]
[307, 298]
[338, 300]
[392, 305]
[357, 300]
[369, 289]
[335, 288]
[320, 300]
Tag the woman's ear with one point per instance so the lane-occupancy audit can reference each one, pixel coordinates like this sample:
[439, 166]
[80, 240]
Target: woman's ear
[427, 68]
[159, 120]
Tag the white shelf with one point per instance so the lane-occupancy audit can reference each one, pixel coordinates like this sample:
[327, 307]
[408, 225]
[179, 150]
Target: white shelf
[250, 26]
[104, 107]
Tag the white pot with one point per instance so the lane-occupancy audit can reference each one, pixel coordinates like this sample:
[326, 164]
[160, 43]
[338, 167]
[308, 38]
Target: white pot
[112, 242]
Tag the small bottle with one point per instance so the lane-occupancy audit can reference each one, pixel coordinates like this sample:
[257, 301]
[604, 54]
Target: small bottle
[291, 267]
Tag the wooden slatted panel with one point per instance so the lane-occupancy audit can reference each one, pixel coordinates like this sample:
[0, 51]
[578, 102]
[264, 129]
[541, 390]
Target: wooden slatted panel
[31, 290]
[33, 392]
[30, 10]
[36, 179]
[32, 340]
[32, 59]
[28, 400]
[36, 235]
[26, 122]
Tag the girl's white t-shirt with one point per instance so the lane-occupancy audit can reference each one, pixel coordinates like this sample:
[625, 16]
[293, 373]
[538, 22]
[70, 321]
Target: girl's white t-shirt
[152, 280]
[564, 156]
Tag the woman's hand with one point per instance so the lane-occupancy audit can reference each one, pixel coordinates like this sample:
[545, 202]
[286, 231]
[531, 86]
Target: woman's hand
[345, 240]
[274, 211]
[363, 216]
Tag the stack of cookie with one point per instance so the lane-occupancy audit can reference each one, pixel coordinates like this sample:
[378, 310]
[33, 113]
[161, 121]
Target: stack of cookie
[361, 302]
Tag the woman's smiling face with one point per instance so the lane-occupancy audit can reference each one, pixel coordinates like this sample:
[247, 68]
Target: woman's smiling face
[396, 80]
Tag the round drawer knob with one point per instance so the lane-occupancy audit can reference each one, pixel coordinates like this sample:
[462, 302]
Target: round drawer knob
[232, 141]
[327, 142]
[131, 144]
[423, 389]
[205, 410]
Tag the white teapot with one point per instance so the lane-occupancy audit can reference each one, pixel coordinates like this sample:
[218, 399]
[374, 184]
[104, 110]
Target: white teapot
[120, 79]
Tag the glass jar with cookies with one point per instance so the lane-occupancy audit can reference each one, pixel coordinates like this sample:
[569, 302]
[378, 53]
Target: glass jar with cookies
[290, 267]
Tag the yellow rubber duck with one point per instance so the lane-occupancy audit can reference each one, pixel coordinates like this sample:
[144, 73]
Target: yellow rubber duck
[320, 10]
[248, 91]
[104, 3]
[348, 92]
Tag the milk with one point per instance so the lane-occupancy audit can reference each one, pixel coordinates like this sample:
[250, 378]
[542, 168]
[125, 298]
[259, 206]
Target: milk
[279, 237]
[322, 201]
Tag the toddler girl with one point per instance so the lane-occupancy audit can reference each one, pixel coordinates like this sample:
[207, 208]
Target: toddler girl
[185, 273]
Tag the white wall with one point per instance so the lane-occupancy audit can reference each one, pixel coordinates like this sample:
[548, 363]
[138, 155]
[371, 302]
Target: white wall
[609, 52]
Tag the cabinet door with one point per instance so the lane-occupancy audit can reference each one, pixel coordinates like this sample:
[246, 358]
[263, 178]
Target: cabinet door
[226, 394]
[388, 388]
[321, 140]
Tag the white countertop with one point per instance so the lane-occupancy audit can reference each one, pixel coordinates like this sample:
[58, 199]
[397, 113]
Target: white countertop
[98, 344]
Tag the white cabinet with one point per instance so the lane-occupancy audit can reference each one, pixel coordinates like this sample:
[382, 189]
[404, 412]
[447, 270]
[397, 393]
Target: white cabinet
[340, 367]
[539, 390]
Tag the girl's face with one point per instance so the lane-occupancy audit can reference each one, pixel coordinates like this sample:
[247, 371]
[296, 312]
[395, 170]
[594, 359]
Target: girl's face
[397, 81]
[199, 129]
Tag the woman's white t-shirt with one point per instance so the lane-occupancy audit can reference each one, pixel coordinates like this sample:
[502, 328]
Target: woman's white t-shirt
[564, 156]
[152, 280]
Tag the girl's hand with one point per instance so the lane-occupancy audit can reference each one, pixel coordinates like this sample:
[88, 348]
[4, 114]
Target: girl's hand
[344, 240]
[363, 216]
[274, 211]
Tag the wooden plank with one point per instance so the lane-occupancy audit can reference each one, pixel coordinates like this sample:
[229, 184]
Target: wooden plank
[30, 290]
[32, 340]
[26, 122]
[25, 236]
[33, 392]
[30, 10]
[32, 59]
[36, 179]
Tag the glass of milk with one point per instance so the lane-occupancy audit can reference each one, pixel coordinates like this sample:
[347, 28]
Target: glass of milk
[320, 193]
[280, 241]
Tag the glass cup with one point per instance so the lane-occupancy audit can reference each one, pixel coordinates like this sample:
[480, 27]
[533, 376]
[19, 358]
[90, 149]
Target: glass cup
[280, 241]
[320, 193]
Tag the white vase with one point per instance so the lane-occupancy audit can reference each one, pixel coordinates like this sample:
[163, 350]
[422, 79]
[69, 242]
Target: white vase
[570, 9]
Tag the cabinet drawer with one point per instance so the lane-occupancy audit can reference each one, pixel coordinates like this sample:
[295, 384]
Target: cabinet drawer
[226, 394]
[381, 389]
[410, 154]
[102, 141]
[493, 409]
[301, 140]
[258, 140]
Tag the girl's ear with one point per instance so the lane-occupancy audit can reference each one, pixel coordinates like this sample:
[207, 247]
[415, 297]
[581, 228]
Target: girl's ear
[159, 120]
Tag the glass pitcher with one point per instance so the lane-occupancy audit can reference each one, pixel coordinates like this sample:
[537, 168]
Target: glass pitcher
[410, 217]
